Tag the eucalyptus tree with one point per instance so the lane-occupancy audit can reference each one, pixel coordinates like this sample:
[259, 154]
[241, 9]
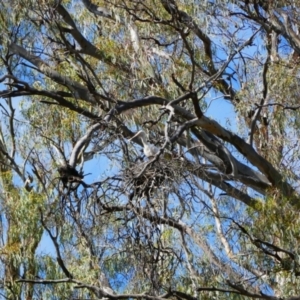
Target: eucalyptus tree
[213, 212]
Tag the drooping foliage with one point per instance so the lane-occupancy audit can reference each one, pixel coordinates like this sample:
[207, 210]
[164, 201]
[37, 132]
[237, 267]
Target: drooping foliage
[213, 213]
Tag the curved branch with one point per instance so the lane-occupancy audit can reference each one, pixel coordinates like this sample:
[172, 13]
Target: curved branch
[82, 143]
[55, 95]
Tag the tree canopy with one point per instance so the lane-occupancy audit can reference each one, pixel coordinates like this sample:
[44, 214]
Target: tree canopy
[209, 209]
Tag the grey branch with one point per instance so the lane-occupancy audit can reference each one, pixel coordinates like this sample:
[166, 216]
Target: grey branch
[82, 144]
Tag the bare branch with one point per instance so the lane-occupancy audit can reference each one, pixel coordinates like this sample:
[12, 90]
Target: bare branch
[82, 144]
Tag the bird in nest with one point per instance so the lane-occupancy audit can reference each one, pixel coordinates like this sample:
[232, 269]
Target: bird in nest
[69, 174]
[149, 149]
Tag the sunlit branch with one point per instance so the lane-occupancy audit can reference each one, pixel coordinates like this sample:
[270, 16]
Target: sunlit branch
[82, 144]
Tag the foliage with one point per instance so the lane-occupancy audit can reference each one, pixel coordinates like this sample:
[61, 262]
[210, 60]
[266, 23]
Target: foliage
[213, 213]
